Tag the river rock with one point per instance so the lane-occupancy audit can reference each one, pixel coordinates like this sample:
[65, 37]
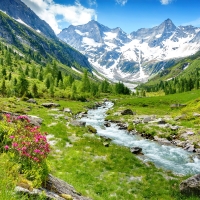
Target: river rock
[91, 129]
[122, 126]
[191, 186]
[50, 105]
[78, 123]
[128, 112]
[107, 124]
[162, 140]
[190, 148]
[136, 150]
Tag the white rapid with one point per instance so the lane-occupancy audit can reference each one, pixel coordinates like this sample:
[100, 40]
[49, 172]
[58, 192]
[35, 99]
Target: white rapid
[167, 157]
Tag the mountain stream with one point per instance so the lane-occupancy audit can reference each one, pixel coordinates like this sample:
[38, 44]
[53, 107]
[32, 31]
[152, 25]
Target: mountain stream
[169, 157]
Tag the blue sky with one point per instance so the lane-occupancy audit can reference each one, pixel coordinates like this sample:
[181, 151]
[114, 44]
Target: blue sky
[130, 15]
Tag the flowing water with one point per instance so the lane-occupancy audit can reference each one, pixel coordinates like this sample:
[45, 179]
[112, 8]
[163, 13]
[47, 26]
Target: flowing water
[167, 157]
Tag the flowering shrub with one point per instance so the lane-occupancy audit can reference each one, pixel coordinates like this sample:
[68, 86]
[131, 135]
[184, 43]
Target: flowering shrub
[27, 146]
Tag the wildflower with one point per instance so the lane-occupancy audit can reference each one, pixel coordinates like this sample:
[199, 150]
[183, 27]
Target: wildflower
[14, 144]
[37, 151]
[6, 147]
[12, 136]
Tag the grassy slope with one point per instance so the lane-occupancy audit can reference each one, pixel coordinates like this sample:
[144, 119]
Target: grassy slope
[80, 158]
[177, 70]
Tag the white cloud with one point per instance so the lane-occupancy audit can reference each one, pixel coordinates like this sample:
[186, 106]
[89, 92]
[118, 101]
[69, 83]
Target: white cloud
[165, 2]
[71, 14]
[121, 2]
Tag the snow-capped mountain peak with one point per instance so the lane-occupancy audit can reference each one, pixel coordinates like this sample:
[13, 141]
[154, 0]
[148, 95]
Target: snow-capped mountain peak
[134, 56]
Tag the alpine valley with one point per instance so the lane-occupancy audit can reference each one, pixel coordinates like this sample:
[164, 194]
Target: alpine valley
[136, 56]
[69, 133]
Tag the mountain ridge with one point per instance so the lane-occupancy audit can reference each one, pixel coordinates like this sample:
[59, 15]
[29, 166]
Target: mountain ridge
[135, 56]
[23, 14]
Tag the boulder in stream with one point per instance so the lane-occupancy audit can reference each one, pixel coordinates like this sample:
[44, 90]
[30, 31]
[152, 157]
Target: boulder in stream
[107, 124]
[136, 150]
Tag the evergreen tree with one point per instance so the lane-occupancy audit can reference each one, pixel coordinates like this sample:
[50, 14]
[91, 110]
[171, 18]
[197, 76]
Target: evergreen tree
[23, 85]
[35, 90]
[3, 87]
[41, 74]
[85, 82]
[33, 72]
[8, 59]
[27, 71]
[9, 76]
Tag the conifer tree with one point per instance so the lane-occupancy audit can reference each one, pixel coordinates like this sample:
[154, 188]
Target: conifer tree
[3, 87]
[35, 90]
[85, 82]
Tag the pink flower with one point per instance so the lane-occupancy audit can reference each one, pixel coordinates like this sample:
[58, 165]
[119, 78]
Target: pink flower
[6, 147]
[37, 151]
[24, 148]
[14, 144]
[12, 136]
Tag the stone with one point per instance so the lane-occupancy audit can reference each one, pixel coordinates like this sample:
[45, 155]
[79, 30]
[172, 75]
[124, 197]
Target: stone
[91, 129]
[137, 121]
[147, 119]
[136, 150]
[191, 186]
[31, 101]
[180, 117]
[122, 126]
[34, 120]
[128, 112]
[174, 128]
[78, 123]
[67, 110]
[190, 148]
[196, 114]
[161, 121]
[162, 140]
[107, 124]
[60, 187]
[106, 144]
[190, 133]
[178, 105]
[50, 105]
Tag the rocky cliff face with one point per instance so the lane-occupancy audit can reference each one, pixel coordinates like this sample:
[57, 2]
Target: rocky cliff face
[135, 56]
[20, 12]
